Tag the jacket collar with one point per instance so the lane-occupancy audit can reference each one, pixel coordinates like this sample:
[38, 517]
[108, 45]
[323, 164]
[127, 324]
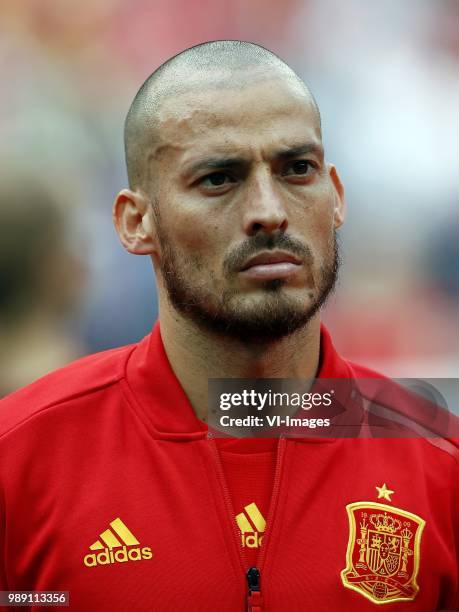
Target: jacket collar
[161, 401]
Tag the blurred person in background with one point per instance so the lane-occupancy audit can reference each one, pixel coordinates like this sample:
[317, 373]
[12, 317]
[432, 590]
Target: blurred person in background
[231, 198]
[40, 283]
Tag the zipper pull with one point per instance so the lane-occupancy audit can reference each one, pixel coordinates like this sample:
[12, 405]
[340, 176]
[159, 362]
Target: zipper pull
[254, 598]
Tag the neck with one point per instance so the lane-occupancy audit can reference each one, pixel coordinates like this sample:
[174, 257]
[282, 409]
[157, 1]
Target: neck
[196, 355]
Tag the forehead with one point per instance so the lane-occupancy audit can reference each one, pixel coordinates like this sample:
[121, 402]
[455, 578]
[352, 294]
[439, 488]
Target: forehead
[266, 114]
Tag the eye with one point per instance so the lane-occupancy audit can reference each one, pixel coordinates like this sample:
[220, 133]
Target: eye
[298, 167]
[216, 179]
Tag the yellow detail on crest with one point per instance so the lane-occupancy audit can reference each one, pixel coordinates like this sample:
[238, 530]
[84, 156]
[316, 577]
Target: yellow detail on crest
[384, 492]
[383, 552]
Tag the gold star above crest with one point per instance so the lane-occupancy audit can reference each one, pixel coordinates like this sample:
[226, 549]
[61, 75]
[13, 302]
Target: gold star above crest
[384, 492]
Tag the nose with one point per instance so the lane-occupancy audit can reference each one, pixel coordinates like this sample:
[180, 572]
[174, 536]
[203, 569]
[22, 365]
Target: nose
[264, 209]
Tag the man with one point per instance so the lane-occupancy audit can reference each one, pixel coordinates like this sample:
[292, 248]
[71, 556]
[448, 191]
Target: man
[112, 489]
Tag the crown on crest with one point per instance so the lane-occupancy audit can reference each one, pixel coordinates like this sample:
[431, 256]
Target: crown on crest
[385, 523]
[406, 533]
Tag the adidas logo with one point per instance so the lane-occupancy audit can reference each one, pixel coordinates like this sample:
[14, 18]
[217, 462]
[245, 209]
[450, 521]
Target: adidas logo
[250, 531]
[118, 537]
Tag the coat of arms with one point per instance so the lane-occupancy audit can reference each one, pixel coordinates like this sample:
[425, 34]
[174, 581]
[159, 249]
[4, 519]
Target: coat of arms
[383, 552]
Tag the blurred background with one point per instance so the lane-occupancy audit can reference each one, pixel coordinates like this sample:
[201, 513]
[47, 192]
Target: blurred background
[386, 77]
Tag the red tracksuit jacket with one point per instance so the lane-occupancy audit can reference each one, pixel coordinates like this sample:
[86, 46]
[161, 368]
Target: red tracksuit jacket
[110, 489]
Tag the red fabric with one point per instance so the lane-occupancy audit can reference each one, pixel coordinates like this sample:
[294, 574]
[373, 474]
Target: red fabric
[113, 436]
[255, 603]
[249, 466]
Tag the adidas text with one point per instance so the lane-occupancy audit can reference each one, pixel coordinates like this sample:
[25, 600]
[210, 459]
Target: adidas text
[122, 555]
[252, 540]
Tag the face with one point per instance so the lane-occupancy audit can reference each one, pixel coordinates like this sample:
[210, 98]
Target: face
[244, 210]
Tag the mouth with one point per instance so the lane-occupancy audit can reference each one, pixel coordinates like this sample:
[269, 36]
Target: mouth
[271, 265]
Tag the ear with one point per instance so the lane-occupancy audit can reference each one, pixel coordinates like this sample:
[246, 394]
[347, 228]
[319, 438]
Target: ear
[339, 211]
[132, 218]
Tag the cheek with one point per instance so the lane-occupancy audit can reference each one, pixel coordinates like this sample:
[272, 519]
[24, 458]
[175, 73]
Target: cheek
[196, 239]
[316, 222]
[193, 233]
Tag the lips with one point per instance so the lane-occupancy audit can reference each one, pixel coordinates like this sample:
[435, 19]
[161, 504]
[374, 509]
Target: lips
[271, 266]
[270, 258]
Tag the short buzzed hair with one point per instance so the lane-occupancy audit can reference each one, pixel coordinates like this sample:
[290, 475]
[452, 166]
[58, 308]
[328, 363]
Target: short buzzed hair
[181, 73]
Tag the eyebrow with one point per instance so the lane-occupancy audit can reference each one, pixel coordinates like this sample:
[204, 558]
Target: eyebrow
[225, 163]
[301, 149]
[216, 163]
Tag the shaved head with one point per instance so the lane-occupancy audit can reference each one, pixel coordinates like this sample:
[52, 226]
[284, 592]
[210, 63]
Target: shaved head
[221, 64]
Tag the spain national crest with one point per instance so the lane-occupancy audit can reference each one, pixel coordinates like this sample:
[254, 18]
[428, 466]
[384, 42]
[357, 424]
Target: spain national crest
[383, 552]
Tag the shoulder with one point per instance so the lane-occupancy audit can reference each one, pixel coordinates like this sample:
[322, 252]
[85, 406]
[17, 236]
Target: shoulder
[78, 380]
[413, 406]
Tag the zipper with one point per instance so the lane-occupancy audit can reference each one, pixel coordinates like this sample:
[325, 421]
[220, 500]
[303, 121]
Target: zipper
[254, 598]
[252, 574]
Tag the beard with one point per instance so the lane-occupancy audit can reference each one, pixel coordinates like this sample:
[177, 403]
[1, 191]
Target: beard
[194, 293]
